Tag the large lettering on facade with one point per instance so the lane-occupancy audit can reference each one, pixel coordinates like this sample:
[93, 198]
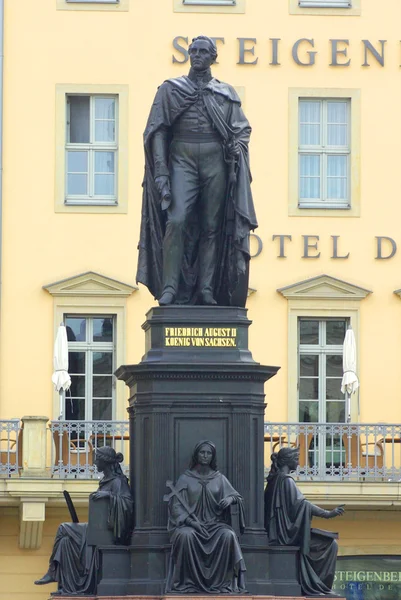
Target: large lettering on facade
[251, 52]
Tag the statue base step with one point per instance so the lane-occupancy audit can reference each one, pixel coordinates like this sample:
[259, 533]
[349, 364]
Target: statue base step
[198, 597]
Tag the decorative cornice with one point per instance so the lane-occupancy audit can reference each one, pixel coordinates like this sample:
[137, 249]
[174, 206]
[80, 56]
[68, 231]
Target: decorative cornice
[324, 287]
[90, 284]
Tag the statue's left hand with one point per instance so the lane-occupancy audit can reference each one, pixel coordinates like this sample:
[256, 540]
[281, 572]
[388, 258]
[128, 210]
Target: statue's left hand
[233, 148]
[336, 512]
[97, 495]
[225, 503]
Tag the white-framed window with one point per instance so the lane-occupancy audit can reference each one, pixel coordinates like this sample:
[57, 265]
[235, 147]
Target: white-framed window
[324, 153]
[91, 149]
[320, 370]
[209, 2]
[325, 3]
[91, 364]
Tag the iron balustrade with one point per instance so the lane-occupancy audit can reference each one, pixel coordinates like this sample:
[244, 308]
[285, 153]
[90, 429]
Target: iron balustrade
[345, 451]
[10, 447]
[75, 443]
[366, 452]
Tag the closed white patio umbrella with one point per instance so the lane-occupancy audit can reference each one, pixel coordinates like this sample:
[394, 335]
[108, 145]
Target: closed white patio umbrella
[349, 383]
[60, 377]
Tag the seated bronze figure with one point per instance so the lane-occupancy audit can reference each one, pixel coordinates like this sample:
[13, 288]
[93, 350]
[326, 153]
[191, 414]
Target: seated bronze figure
[288, 517]
[205, 555]
[74, 563]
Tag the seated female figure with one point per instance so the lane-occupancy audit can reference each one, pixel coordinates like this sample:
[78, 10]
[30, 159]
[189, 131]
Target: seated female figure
[288, 517]
[73, 563]
[205, 555]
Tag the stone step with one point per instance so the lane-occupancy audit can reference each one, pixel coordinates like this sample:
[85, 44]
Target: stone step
[193, 597]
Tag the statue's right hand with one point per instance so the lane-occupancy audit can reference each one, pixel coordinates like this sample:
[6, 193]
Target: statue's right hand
[99, 494]
[197, 526]
[163, 185]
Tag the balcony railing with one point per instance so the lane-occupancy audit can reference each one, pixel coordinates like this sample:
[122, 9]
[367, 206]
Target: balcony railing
[75, 443]
[10, 447]
[330, 451]
[327, 451]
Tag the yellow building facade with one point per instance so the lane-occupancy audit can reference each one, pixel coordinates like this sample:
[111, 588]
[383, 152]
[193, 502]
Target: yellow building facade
[319, 82]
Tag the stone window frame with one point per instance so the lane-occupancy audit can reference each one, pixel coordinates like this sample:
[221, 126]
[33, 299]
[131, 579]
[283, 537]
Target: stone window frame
[294, 96]
[62, 92]
[320, 297]
[94, 294]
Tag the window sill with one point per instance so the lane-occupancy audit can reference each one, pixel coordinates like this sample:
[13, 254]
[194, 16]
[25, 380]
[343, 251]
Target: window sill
[354, 11]
[97, 202]
[326, 211]
[239, 8]
[323, 206]
[90, 207]
[122, 6]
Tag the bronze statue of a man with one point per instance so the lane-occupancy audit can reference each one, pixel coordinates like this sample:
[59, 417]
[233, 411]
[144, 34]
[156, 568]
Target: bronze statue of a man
[197, 208]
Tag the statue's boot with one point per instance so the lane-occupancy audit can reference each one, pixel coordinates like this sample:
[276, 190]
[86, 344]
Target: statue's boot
[44, 580]
[207, 299]
[166, 299]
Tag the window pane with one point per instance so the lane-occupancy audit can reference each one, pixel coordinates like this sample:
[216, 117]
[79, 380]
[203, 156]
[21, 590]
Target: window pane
[104, 185]
[77, 185]
[103, 330]
[337, 135]
[105, 131]
[77, 179]
[102, 410]
[79, 119]
[337, 119]
[309, 118]
[76, 329]
[74, 411]
[310, 176]
[308, 389]
[334, 365]
[76, 362]
[78, 386]
[308, 412]
[102, 362]
[310, 135]
[102, 387]
[309, 365]
[337, 182]
[104, 162]
[309, 332]
[333, 389]
[335, 412]
[77, 162]
[105, 108]
[337, 165]
[335, 332]
[337, 112]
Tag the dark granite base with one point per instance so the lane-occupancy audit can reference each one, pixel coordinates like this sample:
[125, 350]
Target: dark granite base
[142, 570]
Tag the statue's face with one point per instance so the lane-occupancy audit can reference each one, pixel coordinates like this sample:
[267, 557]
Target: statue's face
[100, 463]
[294, 463]
[205, 455]
[200, 55]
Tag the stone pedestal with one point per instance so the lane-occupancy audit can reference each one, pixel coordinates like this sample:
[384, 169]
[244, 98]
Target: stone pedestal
[197, 380]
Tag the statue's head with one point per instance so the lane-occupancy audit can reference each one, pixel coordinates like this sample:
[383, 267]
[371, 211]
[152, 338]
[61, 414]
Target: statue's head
[202, 53]
[204, 454]
[107, 457]
[286, 457]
